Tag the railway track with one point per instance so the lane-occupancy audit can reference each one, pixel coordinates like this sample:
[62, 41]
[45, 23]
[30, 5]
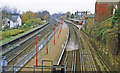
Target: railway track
[22, 51]
[70, 58]
[87, 62]
[106, 67]
[91, 51]
[95, 54]
[81, 59]
[20, 40]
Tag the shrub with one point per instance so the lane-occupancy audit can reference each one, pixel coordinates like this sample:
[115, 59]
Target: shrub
[24, 26]
[13, 32]
[32, 22]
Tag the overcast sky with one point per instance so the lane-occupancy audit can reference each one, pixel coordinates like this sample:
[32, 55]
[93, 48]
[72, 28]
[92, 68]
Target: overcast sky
[53, 6]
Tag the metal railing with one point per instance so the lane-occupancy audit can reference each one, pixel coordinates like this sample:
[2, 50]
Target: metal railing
[52, 68]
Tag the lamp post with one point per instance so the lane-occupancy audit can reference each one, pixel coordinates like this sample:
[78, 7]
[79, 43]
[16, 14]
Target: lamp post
[47, 43]
[37, 49]
[54, 35]
[13, 55]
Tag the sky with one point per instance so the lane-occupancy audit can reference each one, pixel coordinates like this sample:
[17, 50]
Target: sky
[53, 6]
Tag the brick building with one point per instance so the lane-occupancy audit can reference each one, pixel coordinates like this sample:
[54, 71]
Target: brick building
[104, 9]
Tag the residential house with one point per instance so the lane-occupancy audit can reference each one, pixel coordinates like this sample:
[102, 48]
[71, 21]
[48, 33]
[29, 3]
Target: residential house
[5, 22]
[13, 22]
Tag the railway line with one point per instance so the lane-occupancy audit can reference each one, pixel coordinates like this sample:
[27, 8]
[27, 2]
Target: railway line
[24, 49]
[85, 44]
[78, 60]
[77, 56]
[71, 58]
[106, 67]
[21, 40]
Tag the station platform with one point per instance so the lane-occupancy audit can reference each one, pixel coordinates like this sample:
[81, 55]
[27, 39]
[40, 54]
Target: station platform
[53, 50]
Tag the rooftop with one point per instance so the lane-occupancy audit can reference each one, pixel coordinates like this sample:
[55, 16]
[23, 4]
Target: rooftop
[14, 18]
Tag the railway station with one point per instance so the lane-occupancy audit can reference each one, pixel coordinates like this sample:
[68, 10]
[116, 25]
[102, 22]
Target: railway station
[43, 41]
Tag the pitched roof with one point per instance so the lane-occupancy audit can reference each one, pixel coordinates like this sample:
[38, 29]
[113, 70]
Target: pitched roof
[14, 18]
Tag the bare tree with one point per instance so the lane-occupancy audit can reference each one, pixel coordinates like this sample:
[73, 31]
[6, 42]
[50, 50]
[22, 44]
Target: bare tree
[7, 11]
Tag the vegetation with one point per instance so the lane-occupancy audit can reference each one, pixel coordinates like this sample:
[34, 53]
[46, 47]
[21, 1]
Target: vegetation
[34, 19]
[72, 16]
[14, 32]
[29, 20]
[68, 15]
[8, 37]
[27, 16]
[104, 37]
[7, 11]
[44, 15]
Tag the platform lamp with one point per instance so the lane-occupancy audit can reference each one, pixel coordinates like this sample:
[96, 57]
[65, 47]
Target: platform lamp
[13, 54]
[37, 49]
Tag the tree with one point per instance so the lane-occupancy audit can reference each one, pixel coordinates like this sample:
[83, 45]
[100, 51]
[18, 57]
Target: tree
[68, 16]
[44, 15]
[116, 16]
[31, 22]
[119, 11]
[7, 11]
[28, 15]
[72, 16]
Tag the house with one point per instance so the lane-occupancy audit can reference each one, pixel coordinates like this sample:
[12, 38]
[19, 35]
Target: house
[15, 21]
[12, 22]
[5, 23]
[104, 9]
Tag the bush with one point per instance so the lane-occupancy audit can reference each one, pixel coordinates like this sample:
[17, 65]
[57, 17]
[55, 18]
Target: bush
[32, 22]
[13, 32]
[24, 26]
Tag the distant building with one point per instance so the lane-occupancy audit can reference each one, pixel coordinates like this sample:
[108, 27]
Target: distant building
[104, 9]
